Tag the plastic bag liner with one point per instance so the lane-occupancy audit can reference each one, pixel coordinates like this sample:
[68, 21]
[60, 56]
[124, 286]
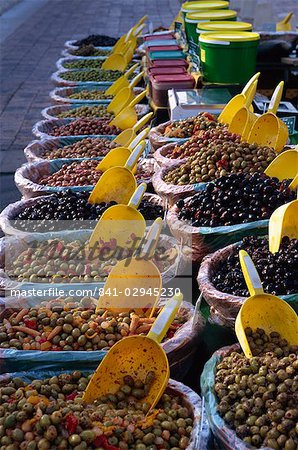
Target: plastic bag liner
[68, 59]
[158, 139]
[205, 240]
[226, 437]
[179, 348]
[71, 46]
[43, 128]
[14, 245]
[58, 80]
[173, 192]
[200, 434]
[35, 150]
[162, 160]
[61, 95]
[27, 176]
[51, 112]
[225, 304]
[9, 214]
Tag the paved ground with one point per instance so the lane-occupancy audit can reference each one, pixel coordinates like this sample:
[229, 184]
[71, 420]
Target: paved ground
[29, 54]
[32, 36]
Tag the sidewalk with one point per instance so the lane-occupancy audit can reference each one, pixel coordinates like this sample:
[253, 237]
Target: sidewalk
[28, 59]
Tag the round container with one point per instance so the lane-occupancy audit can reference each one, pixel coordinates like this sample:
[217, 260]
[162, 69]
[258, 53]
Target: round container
[189, 7]
[228, 57]
[192, 20]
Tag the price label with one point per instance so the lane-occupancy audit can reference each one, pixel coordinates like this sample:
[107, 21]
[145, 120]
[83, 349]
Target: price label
[290, 122]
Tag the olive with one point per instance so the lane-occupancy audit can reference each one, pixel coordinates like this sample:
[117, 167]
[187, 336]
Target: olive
[85, 126]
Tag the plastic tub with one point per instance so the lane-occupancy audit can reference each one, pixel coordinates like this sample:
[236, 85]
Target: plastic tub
[166, 70]
[194, 18]
[163, 48]
[162, 83]
[169, 63]
[158, 36]
[228, 57]
[178, 54]
[189, 7]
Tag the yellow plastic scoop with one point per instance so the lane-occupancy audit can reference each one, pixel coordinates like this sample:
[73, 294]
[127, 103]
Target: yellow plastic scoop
[284, 24]
[118, 156]
[137, 280]
[284, 166]
[263, 310]
[121, 223]
[121, 99]
[129, 134]
[283, 222]
[268, 129]
[243, 120]
[124, 96]
[237, 102]
[127, 117]
[122, 81]
[118, 183]
[136, 356]
[118, 60]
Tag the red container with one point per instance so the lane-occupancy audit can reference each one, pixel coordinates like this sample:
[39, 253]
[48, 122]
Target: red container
[163, 48]
[160, 84]
[166, 70]
[169, 63]
[159, 37]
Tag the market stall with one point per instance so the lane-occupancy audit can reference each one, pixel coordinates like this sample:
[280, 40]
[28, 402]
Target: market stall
[154, 176]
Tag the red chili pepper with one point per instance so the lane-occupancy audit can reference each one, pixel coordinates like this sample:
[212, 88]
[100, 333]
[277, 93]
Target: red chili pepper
[30, 324]
[42, 340]
[209, 116]
[71, 396]
[71, 423]
[223, 163]
[101, 441]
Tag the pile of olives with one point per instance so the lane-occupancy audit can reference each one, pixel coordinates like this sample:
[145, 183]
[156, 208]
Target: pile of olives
[85, 148]
[51, 414]
[98, 40]
[62, 324]
[73, 207]
[81, 173]
[187, 127]
[90, 95]
[279, 271]
[89, 50]
[219, 155]
[85, 126]
[84, 64]
[62, 261]
[257, 397]
[91, 75]
[238, 198]
[87, 111]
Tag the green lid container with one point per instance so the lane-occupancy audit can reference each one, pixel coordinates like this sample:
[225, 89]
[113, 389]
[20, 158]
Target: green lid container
[193, 19]
[228, 57]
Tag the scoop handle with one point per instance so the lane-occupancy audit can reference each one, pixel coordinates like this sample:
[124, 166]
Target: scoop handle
[165, 318]
[139, 137]
[276, 98]
[152, 239]
[136, 79]
[131, 70]
[249, 84]
[142, 121]
[251, 93]
[294, 184]
[138, 30]
[130, 163]
[137, 196]
[138, 98]
[251, 276]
